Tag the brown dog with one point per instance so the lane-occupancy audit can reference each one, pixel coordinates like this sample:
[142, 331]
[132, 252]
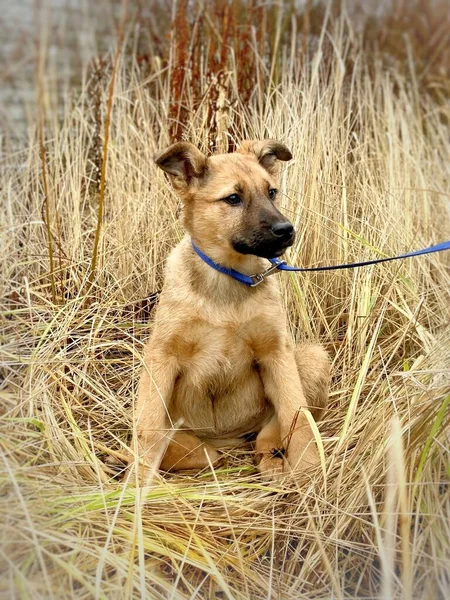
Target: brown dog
[220, 362]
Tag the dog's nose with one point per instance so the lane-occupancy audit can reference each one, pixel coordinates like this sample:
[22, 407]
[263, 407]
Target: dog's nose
[283, 229]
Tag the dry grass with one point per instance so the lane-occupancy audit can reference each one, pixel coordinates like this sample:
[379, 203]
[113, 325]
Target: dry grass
[369, 133]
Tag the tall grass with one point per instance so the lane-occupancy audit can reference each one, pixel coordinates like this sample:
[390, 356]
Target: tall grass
[365, 118]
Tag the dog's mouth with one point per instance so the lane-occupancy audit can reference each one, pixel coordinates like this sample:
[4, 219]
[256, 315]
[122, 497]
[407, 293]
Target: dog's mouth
[263, 247]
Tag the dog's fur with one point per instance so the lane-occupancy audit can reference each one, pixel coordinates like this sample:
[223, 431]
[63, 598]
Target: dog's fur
[220, 362]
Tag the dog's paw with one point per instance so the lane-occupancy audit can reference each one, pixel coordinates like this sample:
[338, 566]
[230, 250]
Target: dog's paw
[303, 459]
[139, 471]
[273, 467]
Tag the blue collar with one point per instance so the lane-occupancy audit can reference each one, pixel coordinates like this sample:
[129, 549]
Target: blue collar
[278, 264]
[250, 280]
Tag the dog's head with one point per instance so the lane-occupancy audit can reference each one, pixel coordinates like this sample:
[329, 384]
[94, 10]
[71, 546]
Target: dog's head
[230, 199]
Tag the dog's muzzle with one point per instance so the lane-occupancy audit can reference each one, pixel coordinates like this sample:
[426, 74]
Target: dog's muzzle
[266, 244]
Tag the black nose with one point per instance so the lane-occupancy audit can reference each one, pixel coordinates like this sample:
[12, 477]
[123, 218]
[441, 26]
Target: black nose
[283, 229]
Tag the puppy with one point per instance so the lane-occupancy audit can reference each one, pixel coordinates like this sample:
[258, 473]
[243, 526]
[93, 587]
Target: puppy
[220, 363]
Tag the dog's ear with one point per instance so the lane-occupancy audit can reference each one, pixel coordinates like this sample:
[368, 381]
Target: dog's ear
[183, 162]
[268, 152]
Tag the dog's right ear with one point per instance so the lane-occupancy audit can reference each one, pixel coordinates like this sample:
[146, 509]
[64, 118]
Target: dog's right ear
[183, 162]
[268, 153]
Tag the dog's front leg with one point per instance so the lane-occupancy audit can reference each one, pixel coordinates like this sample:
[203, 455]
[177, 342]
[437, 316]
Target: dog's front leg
[152, 421]
[283, 388]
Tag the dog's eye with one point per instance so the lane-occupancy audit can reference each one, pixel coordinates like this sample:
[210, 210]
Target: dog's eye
[234, 199]
[273, 194]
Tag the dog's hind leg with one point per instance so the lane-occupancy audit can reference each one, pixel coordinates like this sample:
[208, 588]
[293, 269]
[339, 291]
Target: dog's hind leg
[313, 364]
[187, 451]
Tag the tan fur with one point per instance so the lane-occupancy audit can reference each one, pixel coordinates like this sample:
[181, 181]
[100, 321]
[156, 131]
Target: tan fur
[220, 362]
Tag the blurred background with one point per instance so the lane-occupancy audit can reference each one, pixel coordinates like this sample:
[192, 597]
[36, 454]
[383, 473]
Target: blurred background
[208, 38]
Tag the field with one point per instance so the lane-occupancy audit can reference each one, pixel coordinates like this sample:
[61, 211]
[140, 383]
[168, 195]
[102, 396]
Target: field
[361, 98]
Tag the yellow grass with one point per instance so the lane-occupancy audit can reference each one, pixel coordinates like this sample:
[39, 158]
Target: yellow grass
[369, 179]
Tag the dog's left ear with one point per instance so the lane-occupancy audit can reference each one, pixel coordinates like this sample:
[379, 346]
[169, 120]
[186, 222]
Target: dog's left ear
[183, 162]
[268, 152]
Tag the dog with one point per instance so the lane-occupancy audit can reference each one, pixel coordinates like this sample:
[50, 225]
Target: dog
[220, 363]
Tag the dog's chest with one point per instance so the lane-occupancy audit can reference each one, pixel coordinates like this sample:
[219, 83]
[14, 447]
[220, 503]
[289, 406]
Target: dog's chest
[206, 350]
[219, 388]
[208, 354]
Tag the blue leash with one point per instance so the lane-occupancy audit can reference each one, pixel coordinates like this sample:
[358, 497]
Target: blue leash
[280, 265]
